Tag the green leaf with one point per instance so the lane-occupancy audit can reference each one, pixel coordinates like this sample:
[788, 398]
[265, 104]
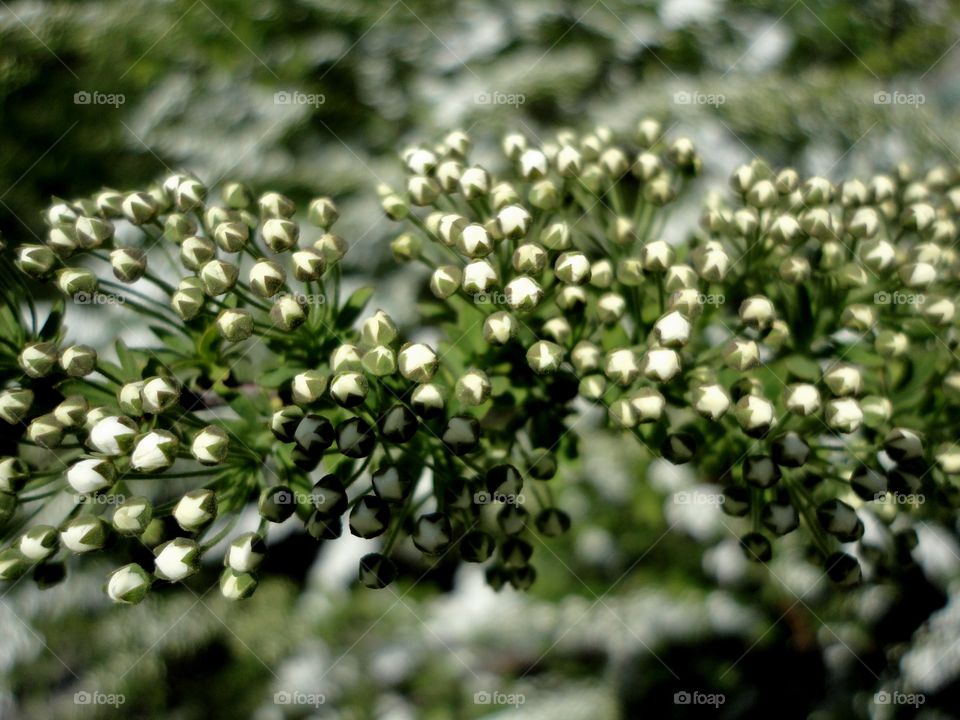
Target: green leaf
[353, 307]
[51, 328]
[92, 393]
[128, 362]
[175, 342]
[803, 368]
[278, 376]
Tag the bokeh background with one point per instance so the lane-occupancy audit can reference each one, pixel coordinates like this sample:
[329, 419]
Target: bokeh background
[646, 597]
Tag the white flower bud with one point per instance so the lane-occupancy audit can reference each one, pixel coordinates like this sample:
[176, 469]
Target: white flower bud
[235, 324]
[711, 401]
[74, 281]
[378, 330]
[801, 399]
[573, 268]
[35, 260]
[648, 403]
[139, 208]
[592, 387]
[218, 277]
[349, 389]
[938, 311]
[569, 161]
[474, 183]
[479, 277]
[843, 415]
[755, 414]
[380, 361]
[419, 161]
[332, 247]
[499, 328]
[188, 299]
[129, 264]
[585, 357]
[795, 270]
[245, 553]
[267, 278]
[195, 509]
[757, 312]
[660, 364]
[657, 256]
[523, 293]
[741, 355]
[474, 241]
[159, 394]
[275, 205]
[713, 265]
[289, 311]
[113, 435]
[610, 308]
[78, 360]
[45, 431]
[514, 221]
[133, 516]
[533, 164]
[529, 259]
[210, 445]
[38, 543]
[176, 560]
[84, 534]
[843, 380]
[672, 330]
[38, 359]
[155, 451]
[91, 475]
[427, 399]
[556, 236]
[876, 410]
[544, 357]
[417, 362]
[129, 584]
[473, 388]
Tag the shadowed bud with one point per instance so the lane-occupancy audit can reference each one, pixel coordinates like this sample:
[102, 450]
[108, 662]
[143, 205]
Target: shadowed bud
[235, 325]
